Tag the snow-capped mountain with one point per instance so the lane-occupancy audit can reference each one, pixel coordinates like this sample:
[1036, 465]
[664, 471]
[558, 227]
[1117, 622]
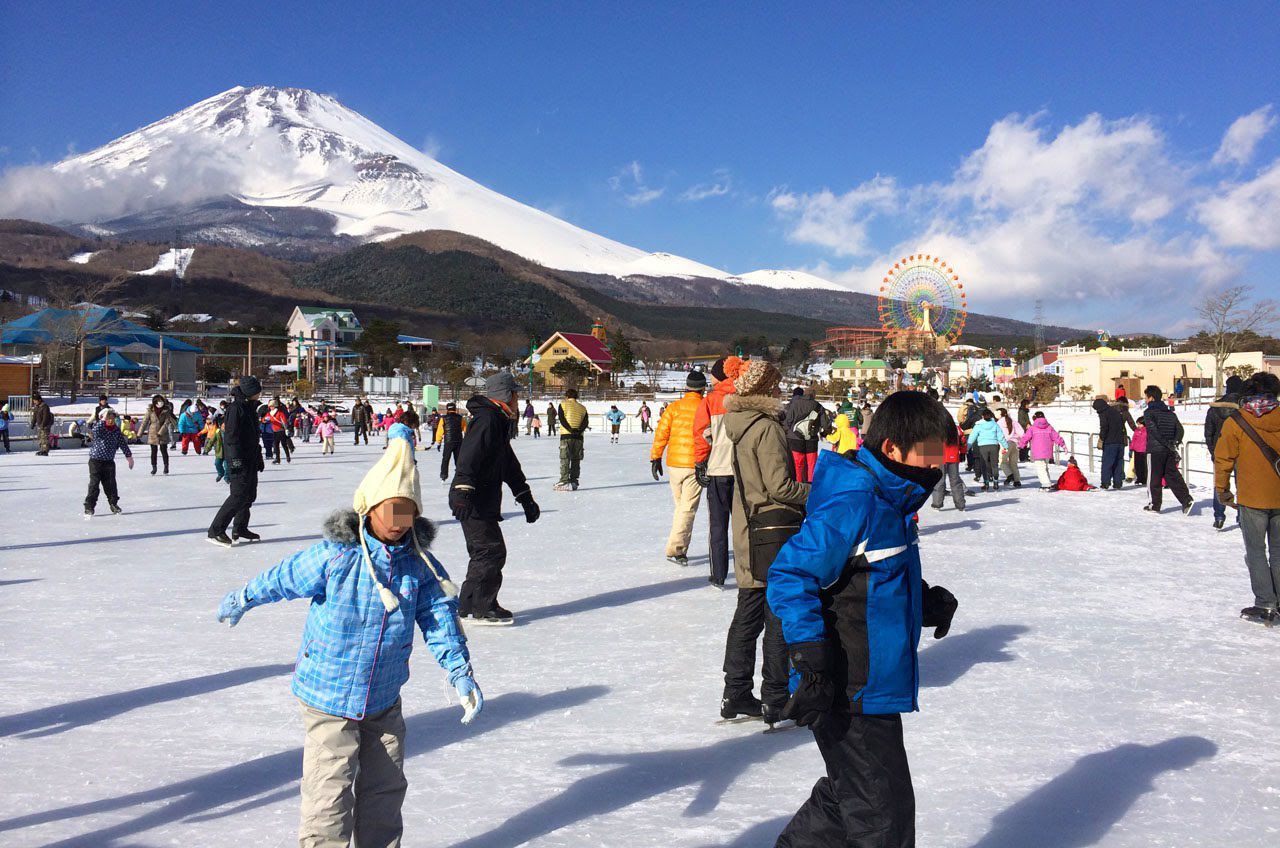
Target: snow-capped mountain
[267, 150]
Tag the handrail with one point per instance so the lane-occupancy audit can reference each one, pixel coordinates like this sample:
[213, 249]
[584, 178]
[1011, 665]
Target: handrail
[1185, 451]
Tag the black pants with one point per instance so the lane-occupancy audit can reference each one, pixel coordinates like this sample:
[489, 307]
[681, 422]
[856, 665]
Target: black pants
[719, 506]
[1140, 468]
[450, 451]
[488, 552]
[752, 616]
[362, 430]
[164, 451]
[244, 491]
[283, 441]
[4, 437]
[1165, 465]
[866, 799]
[102, 472]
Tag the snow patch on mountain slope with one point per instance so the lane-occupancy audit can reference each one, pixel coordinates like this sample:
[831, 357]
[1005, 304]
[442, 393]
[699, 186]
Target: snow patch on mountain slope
[173, 261]
[785, 280]
[82, 258]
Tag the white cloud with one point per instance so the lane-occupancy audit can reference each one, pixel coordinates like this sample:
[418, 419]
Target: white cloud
[629, 182]
[433, 146]
[721, 184]
[1246, 214]
[1098, 218]
[837, 222]
[1242, 137]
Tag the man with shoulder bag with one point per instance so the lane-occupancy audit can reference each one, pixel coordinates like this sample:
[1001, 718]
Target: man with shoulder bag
[1249, 445]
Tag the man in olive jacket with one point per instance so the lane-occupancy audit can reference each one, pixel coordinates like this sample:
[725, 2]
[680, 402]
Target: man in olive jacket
[765, 478]
[41, 422]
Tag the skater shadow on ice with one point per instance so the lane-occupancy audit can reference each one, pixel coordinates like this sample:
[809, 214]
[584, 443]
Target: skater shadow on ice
[125, 537]
[970, 524]
[614, 598]
[623, 486]
[981, 504]
[19, 582]
[636, 777]
[209, 508]
[947, 660]
[46, 721]
[506, 516]
[269, 779]
[1079, 807]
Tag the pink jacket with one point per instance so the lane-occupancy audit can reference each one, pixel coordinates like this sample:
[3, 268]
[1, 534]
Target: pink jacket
[1042, 437]
[325, 429]
[1138, 442]
[1012, 434]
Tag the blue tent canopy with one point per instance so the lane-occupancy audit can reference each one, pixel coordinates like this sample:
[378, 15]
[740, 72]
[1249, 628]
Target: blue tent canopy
[117, 361]
[102, 326]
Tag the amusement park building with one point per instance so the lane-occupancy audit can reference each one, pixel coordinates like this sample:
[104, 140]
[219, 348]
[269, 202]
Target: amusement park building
[859, 370]
[1102, 369]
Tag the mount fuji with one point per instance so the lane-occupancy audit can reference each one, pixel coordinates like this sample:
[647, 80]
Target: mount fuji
[267, 167]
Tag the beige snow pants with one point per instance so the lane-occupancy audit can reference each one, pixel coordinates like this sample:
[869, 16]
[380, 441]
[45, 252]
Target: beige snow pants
[1042, 472]
[687, 494]
[352, 780]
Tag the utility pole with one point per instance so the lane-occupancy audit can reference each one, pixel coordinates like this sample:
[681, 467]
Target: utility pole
[1038, 347]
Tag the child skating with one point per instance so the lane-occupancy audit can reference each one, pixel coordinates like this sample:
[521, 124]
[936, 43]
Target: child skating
[328, 428]
[615, 417]
[213, 444]
[107, 439]
[371, 581]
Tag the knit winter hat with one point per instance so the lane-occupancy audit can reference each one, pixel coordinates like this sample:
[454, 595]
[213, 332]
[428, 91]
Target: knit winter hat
[696, 381]
[501, 386]
[393, 476]
[757, 377]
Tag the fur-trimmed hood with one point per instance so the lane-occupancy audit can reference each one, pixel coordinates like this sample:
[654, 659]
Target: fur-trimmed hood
[343, 527]
[741, 411]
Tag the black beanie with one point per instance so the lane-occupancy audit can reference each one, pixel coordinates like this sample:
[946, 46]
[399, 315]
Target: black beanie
[797, 391]
[696, 381]
[717, 370]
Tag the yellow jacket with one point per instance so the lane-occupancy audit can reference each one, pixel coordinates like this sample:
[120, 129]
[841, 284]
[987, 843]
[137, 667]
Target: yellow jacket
[845, 435]
[674, 433]
[573, 418]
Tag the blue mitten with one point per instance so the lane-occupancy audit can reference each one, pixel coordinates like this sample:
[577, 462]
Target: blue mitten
[471, 696]
[233, 607]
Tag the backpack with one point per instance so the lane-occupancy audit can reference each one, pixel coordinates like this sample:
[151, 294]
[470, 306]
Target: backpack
[806, 427]
[826, 424]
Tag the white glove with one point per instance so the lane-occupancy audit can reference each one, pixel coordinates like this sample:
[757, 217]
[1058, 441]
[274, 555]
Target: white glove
[471, 697]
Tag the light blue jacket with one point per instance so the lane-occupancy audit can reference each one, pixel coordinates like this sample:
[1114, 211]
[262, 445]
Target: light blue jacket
[988, 433]
[355, 655]
[615, 416]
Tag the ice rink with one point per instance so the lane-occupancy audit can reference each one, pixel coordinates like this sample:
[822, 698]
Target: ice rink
[1097, 687]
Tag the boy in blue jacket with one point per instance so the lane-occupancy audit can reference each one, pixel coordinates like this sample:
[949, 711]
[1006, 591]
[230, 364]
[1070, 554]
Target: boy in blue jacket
[848, 590]
[371, 581]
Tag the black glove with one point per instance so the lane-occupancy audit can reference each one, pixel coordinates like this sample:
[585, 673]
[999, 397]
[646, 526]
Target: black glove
[938, 607]
[262, 465]
[700, 474]
[531, 508]
[656, 467]
[460, 503]
[815, 696]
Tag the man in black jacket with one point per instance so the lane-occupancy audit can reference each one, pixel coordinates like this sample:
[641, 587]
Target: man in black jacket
[361, 420]
[485, 462]
[1219, 411]
[452, 428]
[1113, 438]
[1164, 434]
[243, 456]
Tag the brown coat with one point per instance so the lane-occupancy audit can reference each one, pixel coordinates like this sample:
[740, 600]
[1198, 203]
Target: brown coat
[768, 475]
[155, 424]
[1258, 485]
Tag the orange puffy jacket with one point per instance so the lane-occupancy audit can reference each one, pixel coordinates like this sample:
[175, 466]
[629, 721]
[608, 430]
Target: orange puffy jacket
[674, 433]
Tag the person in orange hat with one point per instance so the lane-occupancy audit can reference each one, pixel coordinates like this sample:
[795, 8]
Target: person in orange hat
[713, 462]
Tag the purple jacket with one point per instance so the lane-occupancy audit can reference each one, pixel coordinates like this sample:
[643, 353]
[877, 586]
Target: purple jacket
[1042, 437]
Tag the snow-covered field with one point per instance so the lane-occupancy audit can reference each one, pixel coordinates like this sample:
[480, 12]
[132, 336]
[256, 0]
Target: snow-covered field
[1097, 688]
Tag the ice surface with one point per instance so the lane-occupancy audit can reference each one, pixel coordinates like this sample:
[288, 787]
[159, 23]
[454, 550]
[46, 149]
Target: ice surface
[1097, 688]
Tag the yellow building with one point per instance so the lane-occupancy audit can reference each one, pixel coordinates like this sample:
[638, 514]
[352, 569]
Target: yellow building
[859, 370]
[1102, 369]
[590, 348]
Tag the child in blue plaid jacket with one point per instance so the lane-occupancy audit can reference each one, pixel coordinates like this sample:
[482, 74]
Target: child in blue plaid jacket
[371, 581]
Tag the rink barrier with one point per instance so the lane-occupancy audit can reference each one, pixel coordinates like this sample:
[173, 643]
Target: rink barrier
[1185, 454]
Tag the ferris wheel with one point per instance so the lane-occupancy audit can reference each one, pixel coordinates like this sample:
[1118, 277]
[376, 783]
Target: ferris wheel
[923, 294]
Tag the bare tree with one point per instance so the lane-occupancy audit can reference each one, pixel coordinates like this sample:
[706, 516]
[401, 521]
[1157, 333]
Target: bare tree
[1227, 316]
[70, 330]
[651, 365]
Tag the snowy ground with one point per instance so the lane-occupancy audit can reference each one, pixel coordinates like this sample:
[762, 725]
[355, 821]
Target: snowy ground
[1097, 688]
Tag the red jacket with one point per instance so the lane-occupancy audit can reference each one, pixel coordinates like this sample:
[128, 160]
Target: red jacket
[954, 453]
[1073, 480]
[279, 421]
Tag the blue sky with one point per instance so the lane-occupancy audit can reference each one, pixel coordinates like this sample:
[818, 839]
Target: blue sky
[1076, 155]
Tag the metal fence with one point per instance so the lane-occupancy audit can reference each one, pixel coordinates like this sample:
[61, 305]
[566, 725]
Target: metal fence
[1071, 436]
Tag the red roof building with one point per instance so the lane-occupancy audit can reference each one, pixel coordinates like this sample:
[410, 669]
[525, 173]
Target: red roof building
[591, 348]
